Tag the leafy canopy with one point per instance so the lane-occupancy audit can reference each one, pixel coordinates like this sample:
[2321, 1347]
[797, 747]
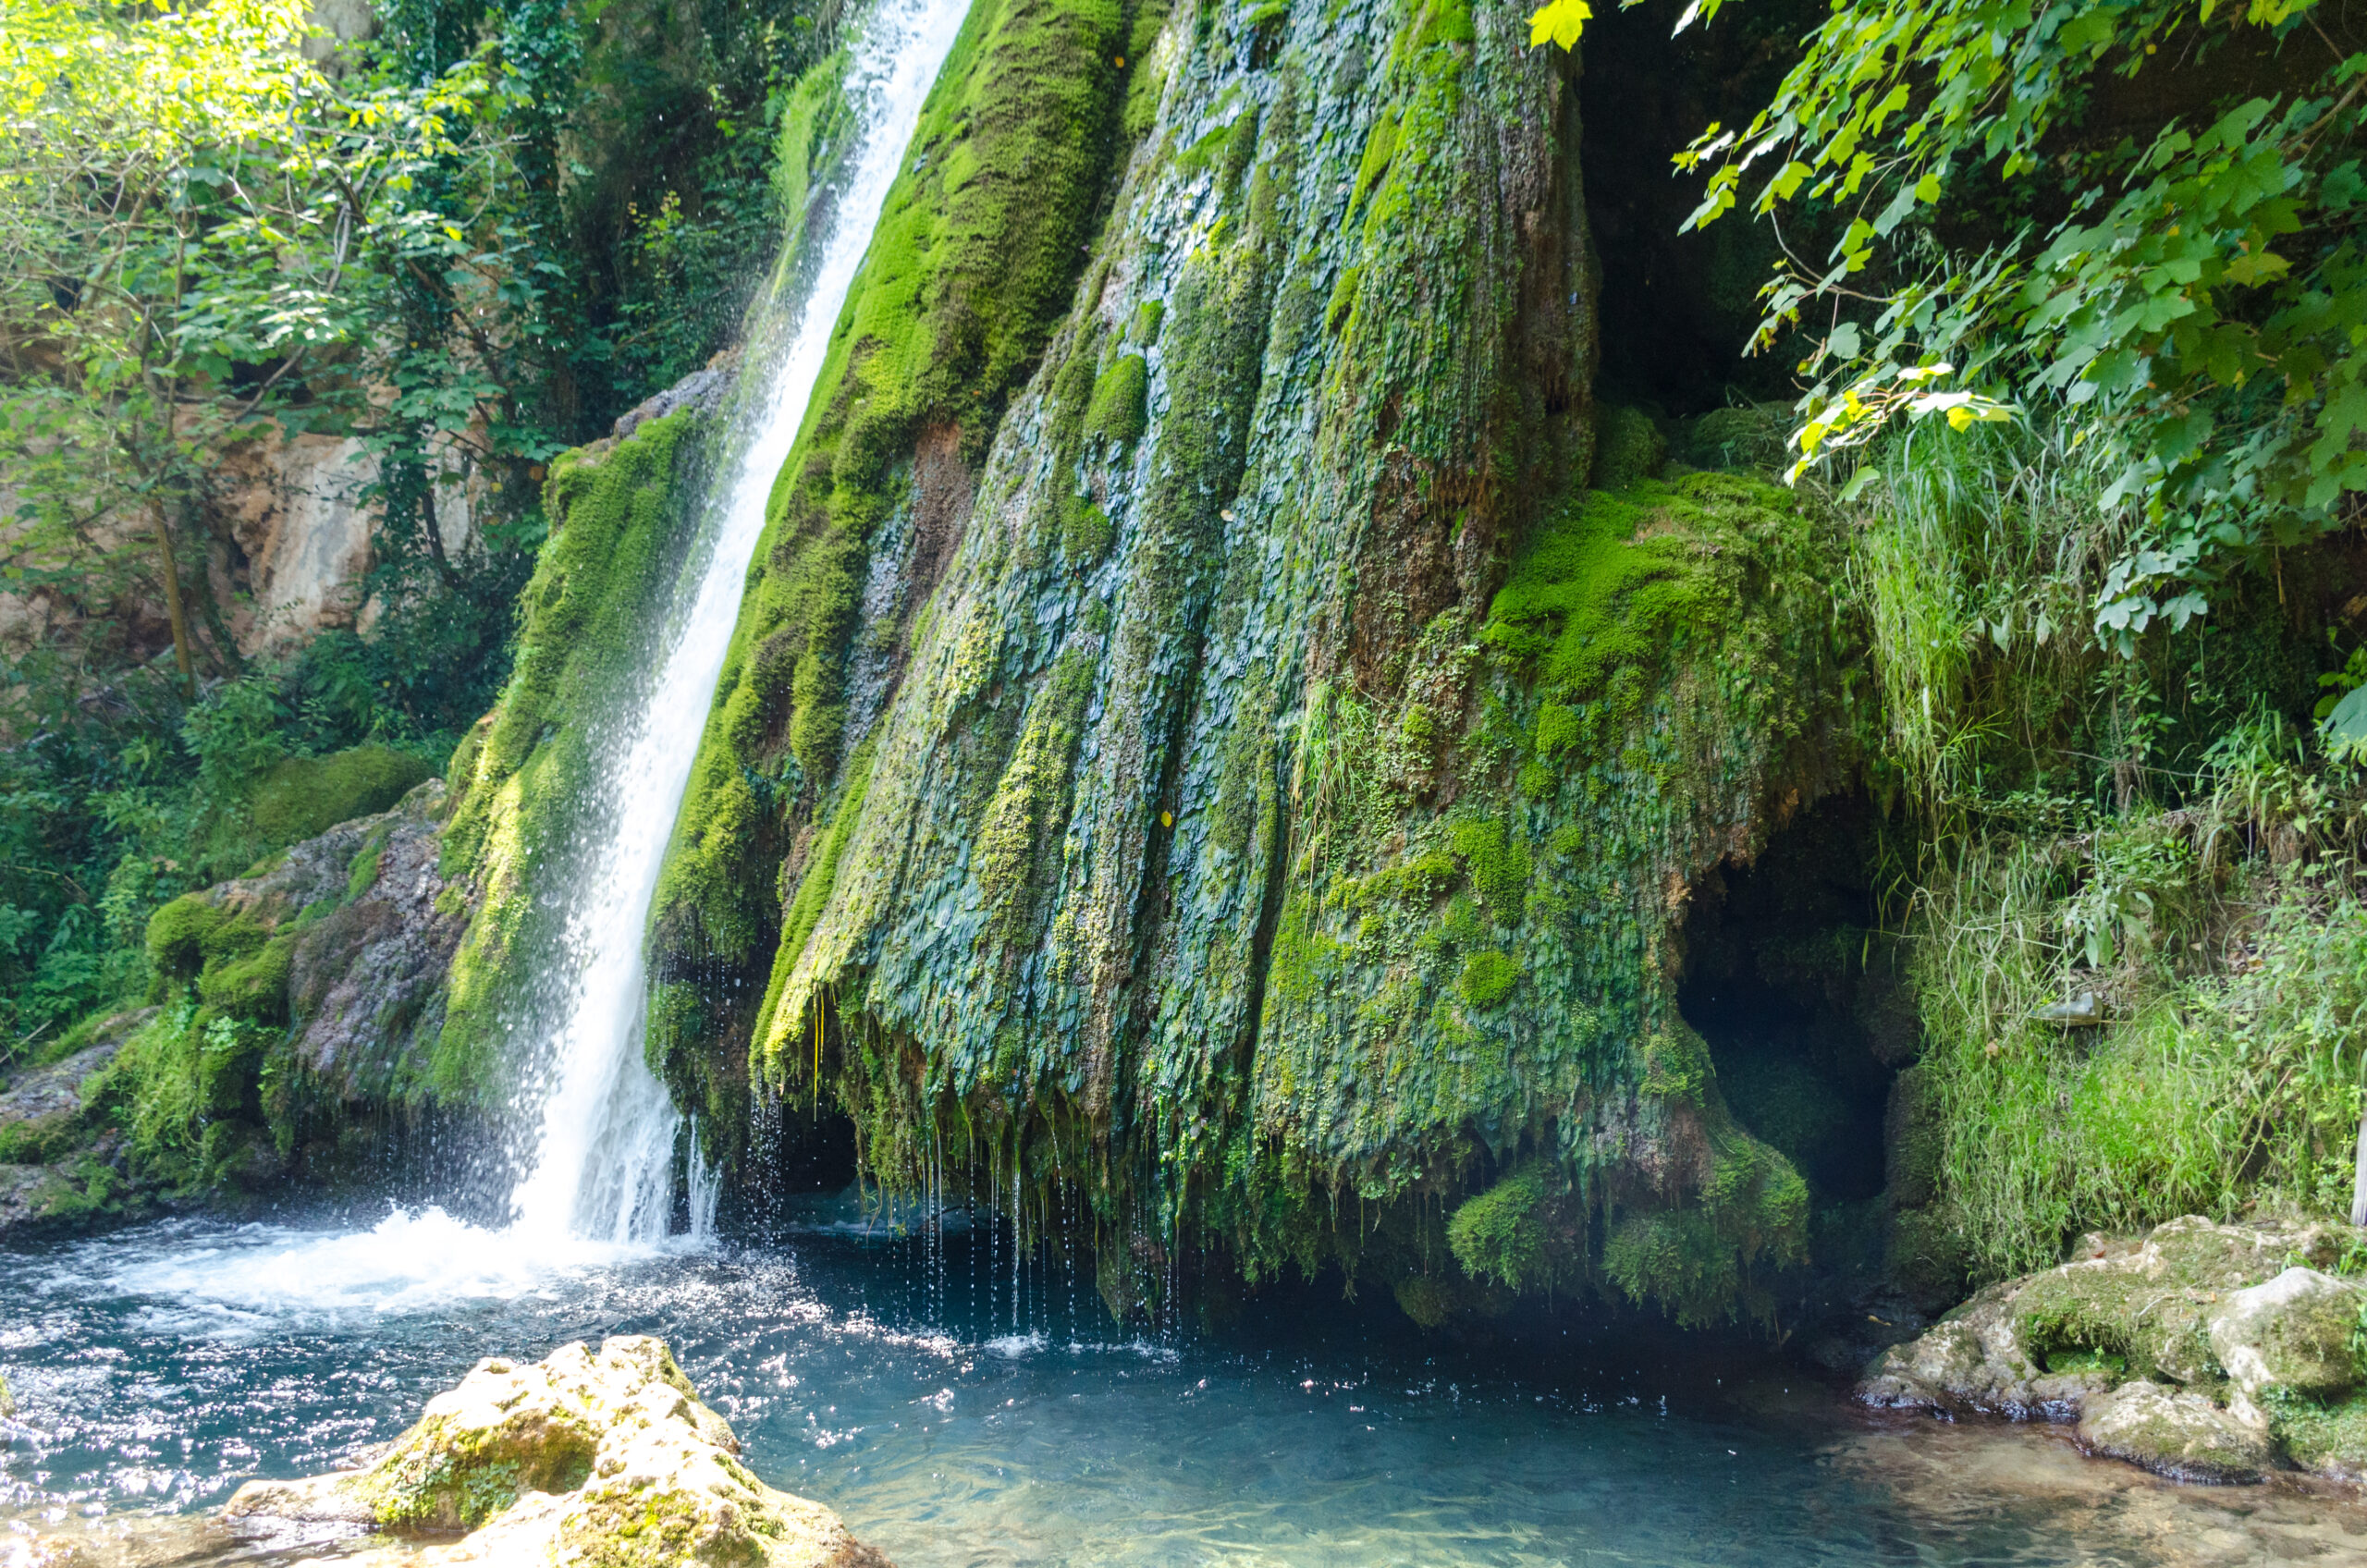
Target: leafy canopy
[2147, 208]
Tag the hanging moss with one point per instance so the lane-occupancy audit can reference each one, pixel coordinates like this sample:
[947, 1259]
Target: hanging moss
[969, 271]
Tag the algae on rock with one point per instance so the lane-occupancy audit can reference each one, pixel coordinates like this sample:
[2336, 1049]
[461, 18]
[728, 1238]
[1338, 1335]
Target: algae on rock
[604, 1458]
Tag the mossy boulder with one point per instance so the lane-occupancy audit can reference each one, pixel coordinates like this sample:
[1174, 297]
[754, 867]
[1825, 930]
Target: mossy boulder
[304, 797]
[604, 1458]
[2175, 1433]
[315, 984]
[1627, 447]
[2204, 1351]
[7, 1399]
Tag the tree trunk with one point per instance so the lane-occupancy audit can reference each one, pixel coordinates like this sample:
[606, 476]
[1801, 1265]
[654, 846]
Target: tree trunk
[2359, 1175]
[182, 653]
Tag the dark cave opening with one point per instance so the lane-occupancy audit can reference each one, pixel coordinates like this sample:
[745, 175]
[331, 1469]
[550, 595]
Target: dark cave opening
[1792, 982]
[1678, 309]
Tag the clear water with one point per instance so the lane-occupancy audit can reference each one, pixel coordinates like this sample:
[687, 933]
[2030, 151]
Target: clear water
[603, 1164]
[158, 1368]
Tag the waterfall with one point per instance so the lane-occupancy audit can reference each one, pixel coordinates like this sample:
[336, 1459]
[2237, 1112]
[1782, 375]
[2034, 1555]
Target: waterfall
[604, 1164]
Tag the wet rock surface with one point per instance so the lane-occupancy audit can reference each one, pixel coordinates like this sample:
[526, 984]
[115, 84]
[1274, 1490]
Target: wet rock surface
[2177, 1434]
[587, 1457]
[2201, 1351]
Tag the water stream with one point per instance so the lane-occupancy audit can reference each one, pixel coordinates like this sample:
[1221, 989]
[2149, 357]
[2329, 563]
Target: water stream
[157, 1368]
[604, 1164]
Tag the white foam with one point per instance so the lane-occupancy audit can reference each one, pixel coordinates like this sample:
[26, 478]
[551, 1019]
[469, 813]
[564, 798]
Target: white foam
[1014, 1347]
[261, 1276]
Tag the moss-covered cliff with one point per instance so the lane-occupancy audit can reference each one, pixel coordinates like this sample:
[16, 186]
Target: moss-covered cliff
[1250, 776]
[973, 262]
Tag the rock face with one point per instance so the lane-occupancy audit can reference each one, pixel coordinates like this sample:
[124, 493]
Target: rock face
[344, 939]
[2202, 1351]
[42, 1119]
[604, 1458]
[1191, 735]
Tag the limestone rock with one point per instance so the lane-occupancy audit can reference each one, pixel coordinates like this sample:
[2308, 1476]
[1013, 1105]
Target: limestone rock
[42, 1093]
[583, 1458]
[365, 983]
[703, 390]
[2292, 1332]
[2043, 1344]
[2174, 1433]
[2202, 1351]
[20, 1187]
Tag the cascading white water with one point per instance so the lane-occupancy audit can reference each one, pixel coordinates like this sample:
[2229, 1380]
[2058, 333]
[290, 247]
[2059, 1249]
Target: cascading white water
[604, 1166]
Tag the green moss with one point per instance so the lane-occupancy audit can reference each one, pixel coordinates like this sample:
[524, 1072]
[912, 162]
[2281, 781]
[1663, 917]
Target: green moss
[1628, 449]
[177, 932]
[1119, 409]
[1020, 833]
[1677, 1065]
[1380, 147]
[1343, 298]
[814, 126]
[527, 785]
[805, 910]
[1617, 582]
[1487, 978]
[441, 1477]
[2328, 1436]
[1144, 84]
[1506, 1233]
[970, 268]
[36, 1142]
[1697, 1263]
[362, 874]
[304, 797]
[1500, 865]
[1425, 1298]
[254, 986]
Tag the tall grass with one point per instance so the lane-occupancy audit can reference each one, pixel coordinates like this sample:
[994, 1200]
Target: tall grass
[2213, 906]
[2228, 1075]
[1976, 554]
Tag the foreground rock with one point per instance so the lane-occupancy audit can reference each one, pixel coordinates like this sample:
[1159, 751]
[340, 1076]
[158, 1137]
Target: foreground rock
[2201, 1351]
[604, 1459]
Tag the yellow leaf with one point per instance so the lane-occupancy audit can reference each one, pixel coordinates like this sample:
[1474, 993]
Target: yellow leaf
[1559, 21]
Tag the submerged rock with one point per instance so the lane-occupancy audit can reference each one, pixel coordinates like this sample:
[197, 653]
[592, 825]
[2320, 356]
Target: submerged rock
[603, 1458]
[2202, 1351]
